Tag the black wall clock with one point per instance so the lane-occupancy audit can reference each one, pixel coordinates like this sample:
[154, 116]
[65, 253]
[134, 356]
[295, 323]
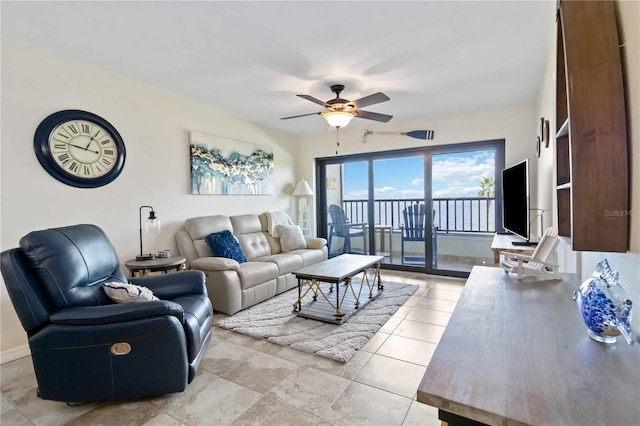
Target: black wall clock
[79, 148]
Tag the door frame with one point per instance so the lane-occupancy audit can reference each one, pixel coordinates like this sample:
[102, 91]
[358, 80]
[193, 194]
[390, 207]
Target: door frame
[427, 151]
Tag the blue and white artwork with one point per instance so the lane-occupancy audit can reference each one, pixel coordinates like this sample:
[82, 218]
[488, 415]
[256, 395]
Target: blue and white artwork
[221, 166]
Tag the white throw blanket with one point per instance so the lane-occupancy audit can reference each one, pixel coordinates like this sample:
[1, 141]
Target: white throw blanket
[277, 218]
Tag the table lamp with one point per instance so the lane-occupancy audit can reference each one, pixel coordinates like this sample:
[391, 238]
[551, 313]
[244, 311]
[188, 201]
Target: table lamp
[152, 223]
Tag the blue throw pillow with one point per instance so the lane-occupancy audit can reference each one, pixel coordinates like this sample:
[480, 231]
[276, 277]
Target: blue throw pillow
[224, 244]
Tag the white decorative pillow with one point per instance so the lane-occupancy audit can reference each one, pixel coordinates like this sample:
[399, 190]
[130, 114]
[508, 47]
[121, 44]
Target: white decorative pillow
[291, 237]
[127, 293]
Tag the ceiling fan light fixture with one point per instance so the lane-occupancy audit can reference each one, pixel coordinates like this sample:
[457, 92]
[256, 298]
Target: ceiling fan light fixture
[338, 119]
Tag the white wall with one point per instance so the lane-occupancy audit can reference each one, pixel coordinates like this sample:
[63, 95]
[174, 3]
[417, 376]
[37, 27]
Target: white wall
[546, 107]
[155, 126]
[517, 125]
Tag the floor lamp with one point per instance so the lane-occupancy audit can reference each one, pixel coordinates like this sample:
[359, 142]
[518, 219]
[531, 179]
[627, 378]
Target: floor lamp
[302, 191]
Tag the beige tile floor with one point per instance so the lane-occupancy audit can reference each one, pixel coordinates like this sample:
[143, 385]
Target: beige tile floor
[244, 381]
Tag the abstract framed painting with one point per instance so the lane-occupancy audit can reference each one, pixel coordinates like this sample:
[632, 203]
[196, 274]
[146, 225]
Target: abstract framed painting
[222, 166]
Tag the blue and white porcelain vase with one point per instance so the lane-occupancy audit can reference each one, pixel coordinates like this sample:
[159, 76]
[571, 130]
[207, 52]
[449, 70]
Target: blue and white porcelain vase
[604, 306]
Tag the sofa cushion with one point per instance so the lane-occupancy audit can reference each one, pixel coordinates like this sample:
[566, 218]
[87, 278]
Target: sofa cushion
[286, 262]
[224, 244]
[202, 249]
[254, 244]
[291, 237]
[309, 256]
[254, 273]
[200, 227]
[246, 224]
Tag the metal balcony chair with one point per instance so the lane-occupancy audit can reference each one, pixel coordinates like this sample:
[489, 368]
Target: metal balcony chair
[414, 230]
[340, 227]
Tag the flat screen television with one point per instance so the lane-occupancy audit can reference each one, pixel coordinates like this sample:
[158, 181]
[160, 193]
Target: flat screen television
[515, 200]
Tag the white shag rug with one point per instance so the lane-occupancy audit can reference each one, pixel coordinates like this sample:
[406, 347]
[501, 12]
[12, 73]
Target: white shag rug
[274, 321]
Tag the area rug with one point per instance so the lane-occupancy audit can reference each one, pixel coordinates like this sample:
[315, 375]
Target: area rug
[274, 321]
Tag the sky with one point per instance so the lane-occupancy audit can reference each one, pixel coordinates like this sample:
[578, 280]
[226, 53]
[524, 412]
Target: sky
[454, 176]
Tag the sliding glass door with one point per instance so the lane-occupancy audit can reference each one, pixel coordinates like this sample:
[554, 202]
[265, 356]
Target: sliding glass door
[399, 209]
[463, 199]
[430, 209]
[345, 212]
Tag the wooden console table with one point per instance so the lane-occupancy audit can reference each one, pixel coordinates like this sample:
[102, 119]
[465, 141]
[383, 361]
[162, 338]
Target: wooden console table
[503, 243]
[517, 352]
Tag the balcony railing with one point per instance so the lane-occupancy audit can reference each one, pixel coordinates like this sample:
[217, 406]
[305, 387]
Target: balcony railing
[474, 214]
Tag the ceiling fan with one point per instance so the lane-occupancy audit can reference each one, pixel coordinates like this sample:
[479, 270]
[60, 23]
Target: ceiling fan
[339, 112]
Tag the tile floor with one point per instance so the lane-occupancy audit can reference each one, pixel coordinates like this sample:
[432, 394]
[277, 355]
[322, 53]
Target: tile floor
[244, 381]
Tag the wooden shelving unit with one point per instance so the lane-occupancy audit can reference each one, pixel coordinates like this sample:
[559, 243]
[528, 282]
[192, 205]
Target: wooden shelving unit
[591, 138]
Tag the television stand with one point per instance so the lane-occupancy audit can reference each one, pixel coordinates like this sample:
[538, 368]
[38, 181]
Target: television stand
[524, 243]
[503, 243]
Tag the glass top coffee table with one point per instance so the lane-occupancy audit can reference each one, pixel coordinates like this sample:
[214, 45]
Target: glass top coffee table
[334, 277]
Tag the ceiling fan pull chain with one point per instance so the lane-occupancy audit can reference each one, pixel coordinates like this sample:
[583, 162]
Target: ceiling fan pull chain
[337, 139]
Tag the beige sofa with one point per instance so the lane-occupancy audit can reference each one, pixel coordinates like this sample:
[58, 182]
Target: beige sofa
[233, 286]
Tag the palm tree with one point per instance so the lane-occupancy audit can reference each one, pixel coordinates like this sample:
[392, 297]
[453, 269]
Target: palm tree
[487, 187]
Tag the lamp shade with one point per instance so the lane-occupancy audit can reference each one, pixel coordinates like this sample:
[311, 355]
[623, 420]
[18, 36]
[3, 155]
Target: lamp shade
[152, 223]
[338, 118]
[302, 188]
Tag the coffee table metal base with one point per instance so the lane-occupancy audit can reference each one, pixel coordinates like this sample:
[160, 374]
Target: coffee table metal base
[336, 302]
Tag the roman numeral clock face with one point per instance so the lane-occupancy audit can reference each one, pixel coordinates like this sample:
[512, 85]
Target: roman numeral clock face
[83, 149]
[79, 148]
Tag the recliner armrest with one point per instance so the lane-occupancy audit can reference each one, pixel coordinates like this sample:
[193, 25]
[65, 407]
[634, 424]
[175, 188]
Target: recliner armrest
[170, 286]
[315, 243]
[215, 264]
[117, 313]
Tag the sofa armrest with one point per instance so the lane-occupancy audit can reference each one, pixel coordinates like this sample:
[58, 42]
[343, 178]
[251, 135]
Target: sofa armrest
[169, 286]
[315, 243]
[118, 313]
[186, 246]
[215, 264]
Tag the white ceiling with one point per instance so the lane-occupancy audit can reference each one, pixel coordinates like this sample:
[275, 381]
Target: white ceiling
[252, 58]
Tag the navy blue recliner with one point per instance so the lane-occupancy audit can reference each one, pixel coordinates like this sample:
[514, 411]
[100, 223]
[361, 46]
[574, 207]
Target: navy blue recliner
[84, 346]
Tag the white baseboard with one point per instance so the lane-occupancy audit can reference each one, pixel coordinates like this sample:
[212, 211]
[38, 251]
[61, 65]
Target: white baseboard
[14, 353]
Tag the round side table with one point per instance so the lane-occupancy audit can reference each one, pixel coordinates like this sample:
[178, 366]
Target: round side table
[160, 264]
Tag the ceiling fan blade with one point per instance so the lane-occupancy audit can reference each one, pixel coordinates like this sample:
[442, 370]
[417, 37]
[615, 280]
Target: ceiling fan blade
[312, 99]
[376, 98]
[301, 115]
[373, 116]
